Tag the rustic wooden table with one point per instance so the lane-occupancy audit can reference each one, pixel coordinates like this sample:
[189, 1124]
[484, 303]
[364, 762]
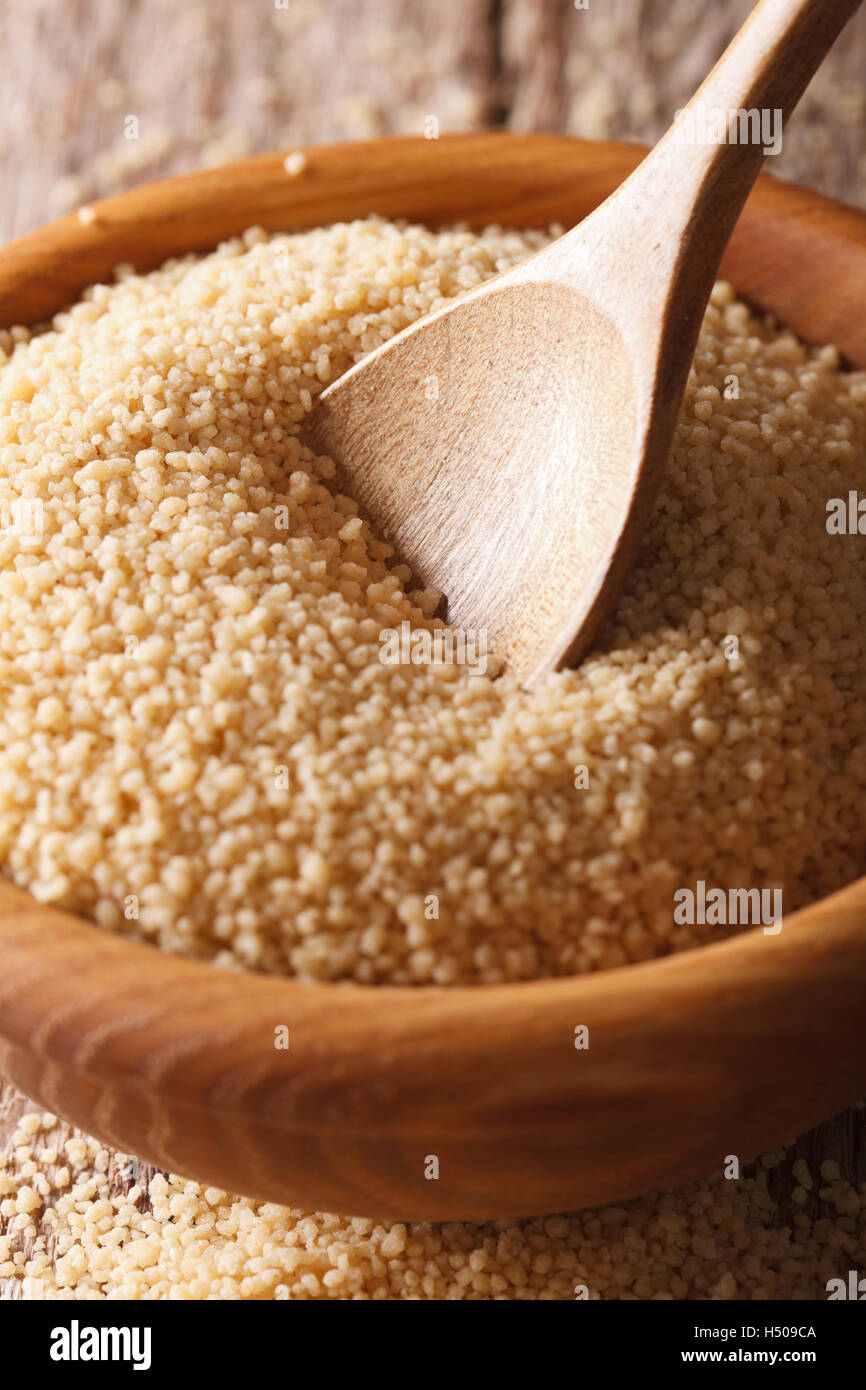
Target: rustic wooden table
[97, 96]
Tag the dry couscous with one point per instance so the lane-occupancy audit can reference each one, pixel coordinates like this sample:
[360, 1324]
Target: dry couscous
[200, 745]
[77, 1223]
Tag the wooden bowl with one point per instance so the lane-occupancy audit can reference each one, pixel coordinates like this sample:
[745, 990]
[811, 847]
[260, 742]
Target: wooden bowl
[726, 1049]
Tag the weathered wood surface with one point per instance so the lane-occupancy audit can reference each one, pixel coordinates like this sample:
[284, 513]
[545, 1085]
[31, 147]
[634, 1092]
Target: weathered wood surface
[213, 80]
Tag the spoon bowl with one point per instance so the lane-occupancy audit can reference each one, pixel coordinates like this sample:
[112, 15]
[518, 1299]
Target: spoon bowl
[507, 388]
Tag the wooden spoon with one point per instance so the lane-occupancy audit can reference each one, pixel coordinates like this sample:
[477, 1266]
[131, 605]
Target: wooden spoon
[511, 445]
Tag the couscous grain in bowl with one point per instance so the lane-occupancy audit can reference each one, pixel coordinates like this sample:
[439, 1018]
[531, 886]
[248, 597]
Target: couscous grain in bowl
[205, 743]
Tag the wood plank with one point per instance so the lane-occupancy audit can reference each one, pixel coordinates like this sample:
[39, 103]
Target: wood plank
[122, 1173]
[215, 80]
[620, 70]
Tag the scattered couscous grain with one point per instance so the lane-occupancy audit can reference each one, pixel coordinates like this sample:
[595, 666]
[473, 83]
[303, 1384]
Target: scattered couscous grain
[200, 745]
[88, 1231]
[295, 163]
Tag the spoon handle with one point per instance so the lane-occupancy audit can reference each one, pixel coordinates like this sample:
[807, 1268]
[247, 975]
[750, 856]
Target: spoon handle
[746, 97]
[681, 203]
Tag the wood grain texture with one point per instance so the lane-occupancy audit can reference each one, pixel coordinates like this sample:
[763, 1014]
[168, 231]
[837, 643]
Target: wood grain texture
[123, 1174]
[212, 80]
[620, 70]
[724, 1050]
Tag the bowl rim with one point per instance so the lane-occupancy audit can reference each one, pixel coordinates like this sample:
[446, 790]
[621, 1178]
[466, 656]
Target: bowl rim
[44, 270]
[58, 963]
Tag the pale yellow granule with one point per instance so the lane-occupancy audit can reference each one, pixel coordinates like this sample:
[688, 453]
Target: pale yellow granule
[99, 1233]
[295, 162]
[200, 747]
